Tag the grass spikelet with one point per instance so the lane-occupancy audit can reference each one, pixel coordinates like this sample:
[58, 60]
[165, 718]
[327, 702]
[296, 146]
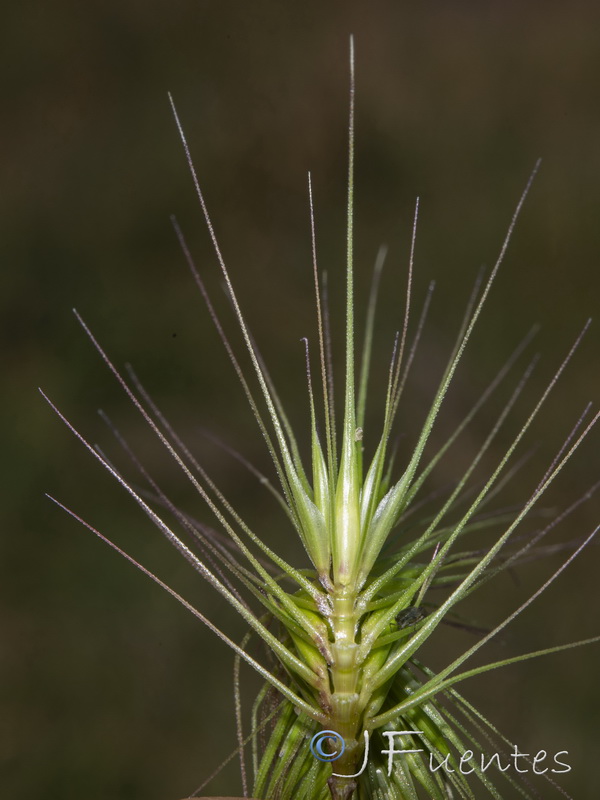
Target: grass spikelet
[348, 709]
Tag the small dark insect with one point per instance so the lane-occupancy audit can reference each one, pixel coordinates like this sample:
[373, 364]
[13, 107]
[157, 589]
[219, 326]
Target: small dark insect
[410, 616]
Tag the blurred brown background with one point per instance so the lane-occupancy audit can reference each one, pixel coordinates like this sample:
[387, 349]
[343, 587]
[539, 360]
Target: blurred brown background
[109, 690]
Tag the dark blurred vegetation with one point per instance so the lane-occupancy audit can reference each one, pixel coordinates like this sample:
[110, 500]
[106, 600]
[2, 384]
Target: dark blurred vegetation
[108, 689]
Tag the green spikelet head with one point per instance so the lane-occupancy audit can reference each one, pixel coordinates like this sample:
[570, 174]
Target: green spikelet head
[346, 684]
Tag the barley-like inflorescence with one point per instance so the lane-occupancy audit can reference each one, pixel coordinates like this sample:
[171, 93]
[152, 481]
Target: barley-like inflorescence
[348, 709]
